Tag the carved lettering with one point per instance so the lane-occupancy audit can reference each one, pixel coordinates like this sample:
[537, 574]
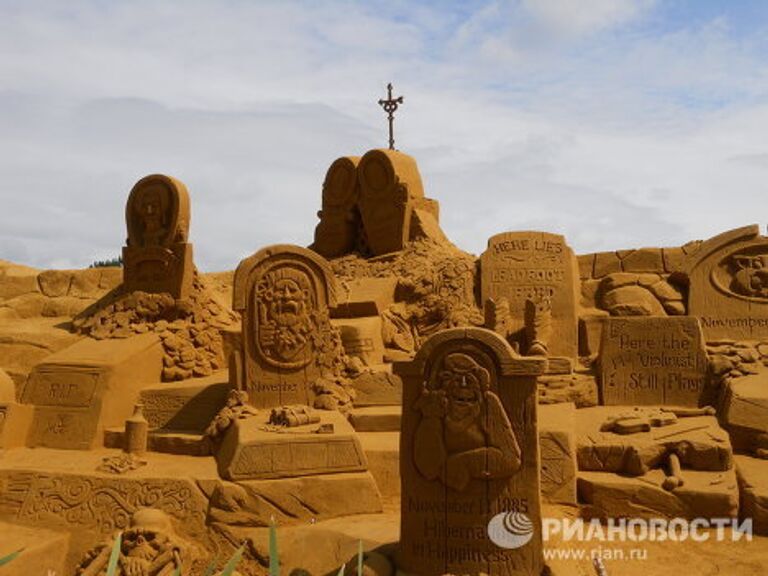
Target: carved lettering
[533, 266]
[652, 361]
[728, 285]
[61, 388]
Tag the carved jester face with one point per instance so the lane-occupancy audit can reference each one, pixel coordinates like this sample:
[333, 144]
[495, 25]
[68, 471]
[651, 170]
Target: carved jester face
[464, 382]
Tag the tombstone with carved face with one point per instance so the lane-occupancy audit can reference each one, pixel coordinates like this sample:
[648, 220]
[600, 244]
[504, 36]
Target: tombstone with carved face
[283, 293]
[286, 316]
[464, 433]
[728, 285]
[157, 257]
[469, 458]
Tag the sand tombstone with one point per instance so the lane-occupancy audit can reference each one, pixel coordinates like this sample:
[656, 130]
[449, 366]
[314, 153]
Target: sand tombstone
[283, 293]
[390, 190]
[93, 385]
[337, 232]
[469, 457]
[653, 361]
[157, 257]
[537, 275]
[728, 288]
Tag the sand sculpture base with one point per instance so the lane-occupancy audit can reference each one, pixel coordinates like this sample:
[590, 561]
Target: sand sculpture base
[254, 449]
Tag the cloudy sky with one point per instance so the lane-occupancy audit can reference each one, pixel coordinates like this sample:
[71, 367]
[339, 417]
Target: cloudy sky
[619, 123]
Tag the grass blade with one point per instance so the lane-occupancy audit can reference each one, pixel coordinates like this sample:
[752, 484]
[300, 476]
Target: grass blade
[274, 556]
[359, 558]
[230, 566]
[177, 572]
[5, 559]
[115, 556]
[212, 566]
[341, 570]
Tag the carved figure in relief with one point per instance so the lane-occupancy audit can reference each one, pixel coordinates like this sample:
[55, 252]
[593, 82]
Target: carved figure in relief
[286, 317]
[537, 322]
[751, 277]
[464, 433]
[293, 415]
[151, 208]
[237, 407]
[150, 547]
[498, 316]
[538, 325]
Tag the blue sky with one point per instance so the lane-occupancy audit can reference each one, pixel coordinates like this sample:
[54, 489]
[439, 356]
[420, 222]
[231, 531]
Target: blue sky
[619, 123]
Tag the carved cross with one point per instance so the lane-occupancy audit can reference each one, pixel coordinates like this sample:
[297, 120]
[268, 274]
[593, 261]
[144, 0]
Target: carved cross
[390, 106]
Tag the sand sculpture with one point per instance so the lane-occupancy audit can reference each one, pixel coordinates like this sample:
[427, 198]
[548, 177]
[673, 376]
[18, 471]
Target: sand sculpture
[529, 285]
[284, 294]
[468, 450]
[373, 205]
[380, 378]
[161, 290]
[157, 258]
[149, 546]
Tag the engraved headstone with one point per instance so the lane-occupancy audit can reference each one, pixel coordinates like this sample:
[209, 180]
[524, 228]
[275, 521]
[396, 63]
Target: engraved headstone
[157, 257]
[728, 285]
[337, 232]
[390, 190]
[653, 360]
[536, 275]
[469, 458]
[283, 293]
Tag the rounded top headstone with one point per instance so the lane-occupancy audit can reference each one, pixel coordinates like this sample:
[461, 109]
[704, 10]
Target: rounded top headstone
[340, 187]
[287, 254]
[157, 212]
[380, 171]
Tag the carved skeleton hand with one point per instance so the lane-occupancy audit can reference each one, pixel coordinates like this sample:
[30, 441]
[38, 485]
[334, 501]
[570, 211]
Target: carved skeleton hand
[134, 566]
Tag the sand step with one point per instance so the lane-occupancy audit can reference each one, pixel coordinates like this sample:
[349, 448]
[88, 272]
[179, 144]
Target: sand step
[376, 418]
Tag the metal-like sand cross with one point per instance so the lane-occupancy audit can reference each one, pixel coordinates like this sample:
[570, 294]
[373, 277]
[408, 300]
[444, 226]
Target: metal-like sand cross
[390, 107]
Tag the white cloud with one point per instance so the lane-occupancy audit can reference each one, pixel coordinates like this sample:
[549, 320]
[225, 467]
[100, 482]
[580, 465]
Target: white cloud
[616, 140]
[578, 17]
